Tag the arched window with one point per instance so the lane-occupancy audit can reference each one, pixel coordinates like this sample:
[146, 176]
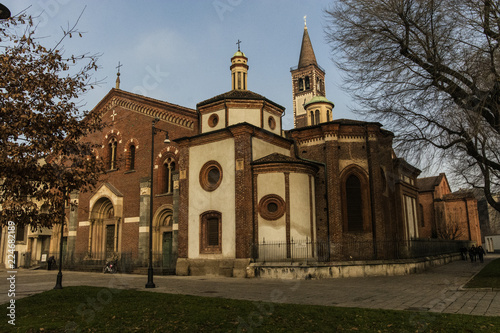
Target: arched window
[131, 158]
[356, 213]
[211, 232]
[328, 115]
[312, 117]
[301, 85]
[307, 83]
[317, 117]
[354, 202]
[112, 149]
[168, 170]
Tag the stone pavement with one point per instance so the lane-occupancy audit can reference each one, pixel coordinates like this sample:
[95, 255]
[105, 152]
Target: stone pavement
[436, 290]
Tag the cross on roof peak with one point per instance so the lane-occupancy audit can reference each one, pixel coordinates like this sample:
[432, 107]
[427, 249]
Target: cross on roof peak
[118, 67]
[238, 42]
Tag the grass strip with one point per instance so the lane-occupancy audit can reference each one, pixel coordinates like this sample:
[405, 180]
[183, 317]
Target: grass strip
[488, 277]
[94, 309]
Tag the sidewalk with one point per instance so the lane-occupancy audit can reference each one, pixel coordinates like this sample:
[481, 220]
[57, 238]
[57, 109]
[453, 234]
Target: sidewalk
[436, 290]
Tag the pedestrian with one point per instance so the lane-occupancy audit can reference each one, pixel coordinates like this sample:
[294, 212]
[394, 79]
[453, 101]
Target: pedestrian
[463, 252]
[51, 263]
[472, 253]
[480, 252]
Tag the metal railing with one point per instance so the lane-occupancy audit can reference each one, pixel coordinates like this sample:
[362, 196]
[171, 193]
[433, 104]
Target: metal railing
[309, 251]
[126, 262]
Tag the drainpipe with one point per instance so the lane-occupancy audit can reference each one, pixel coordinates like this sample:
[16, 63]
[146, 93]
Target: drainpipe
[296, 147]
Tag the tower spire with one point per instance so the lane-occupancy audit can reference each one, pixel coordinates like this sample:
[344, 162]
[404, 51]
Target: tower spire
[307, 56]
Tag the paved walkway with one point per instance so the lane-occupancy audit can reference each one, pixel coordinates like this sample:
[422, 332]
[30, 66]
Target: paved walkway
[436, 290]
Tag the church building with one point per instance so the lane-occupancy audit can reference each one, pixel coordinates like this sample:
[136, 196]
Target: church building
[248, 190]
[230, 187]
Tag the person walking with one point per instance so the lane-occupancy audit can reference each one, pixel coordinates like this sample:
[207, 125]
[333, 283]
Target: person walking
[472, 253]
[463, 253]
[480, 253]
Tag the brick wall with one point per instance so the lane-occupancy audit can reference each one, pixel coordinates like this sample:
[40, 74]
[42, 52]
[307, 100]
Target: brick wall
[132, 123]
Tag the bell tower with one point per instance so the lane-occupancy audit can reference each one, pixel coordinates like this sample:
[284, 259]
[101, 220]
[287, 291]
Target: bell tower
[308, 80]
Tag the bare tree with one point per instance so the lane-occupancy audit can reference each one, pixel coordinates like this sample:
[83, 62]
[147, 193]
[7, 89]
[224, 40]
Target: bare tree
[42, 156]
[447, 228]
[430, 70]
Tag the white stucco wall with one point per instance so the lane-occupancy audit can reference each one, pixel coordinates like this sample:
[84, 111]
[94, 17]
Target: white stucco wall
[277, 129]
[204, 121]
[251, 116]
[222, 199]
[300, 212]
[271, 231]
[262, 148]
[300, 101]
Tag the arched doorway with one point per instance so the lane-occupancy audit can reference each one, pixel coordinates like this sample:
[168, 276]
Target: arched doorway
[104, 230]
[163, 237]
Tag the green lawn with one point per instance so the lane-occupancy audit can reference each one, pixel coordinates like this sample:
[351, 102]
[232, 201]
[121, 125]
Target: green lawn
[488, 277]
[93, 309]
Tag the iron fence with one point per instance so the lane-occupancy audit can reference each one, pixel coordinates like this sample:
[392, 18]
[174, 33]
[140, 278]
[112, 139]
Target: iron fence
[309, 251]
[126, 262]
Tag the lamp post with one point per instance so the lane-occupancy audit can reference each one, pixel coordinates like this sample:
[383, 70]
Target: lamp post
[150, 283]
[59, 275]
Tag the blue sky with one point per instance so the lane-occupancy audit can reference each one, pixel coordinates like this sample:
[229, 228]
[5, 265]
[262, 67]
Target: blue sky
[179, 51]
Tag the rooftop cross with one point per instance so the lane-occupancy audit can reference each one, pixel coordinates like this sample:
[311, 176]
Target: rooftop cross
[305, 16]
[239, 42]
[118, 76]
[119, 65]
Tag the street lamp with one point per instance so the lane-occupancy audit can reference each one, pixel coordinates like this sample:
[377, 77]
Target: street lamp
[59, 275]
[154, 130]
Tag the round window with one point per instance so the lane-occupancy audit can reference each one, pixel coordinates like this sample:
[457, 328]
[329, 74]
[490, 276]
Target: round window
[271, 122]
[213, 120]
[210, 176]
[213, 175]
[272, 207]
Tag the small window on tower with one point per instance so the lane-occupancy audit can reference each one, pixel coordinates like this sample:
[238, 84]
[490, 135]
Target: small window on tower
[213, 120]
[301, 85]
[271, 122]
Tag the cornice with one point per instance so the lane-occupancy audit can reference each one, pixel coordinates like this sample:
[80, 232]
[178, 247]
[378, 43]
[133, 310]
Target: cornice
[179, 116]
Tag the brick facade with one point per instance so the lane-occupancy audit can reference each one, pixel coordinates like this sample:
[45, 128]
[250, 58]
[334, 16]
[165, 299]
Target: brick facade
[128, 118]
[445, 214]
